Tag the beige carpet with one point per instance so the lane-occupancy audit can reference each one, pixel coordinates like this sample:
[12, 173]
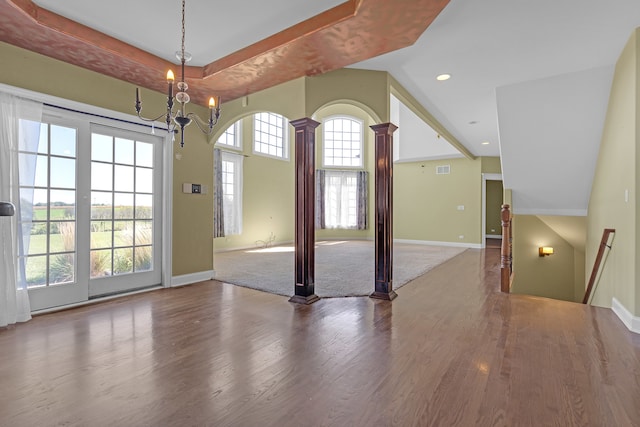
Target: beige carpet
[343, 268]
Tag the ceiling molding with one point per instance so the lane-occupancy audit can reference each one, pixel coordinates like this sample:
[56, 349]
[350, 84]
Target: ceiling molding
[348, 33]
[407, 99]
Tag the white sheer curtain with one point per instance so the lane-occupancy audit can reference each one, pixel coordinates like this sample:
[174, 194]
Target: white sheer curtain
[218, 197]
[340, 199]
[14, 134]
[232, 192]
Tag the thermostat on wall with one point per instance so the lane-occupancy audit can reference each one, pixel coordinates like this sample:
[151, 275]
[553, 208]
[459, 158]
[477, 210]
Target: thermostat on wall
[194, 188]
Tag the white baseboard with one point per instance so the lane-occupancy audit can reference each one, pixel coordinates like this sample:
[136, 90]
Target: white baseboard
[434, 243]
[414, 242]
[244, 248]
[188, 279]
[630, 321]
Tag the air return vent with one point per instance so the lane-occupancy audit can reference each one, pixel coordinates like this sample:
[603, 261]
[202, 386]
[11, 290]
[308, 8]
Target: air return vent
[443, 170]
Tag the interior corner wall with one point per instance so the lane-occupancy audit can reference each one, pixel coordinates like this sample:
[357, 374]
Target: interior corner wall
[614, 194]
[268, 198]
[549, 276]
[268, 194]
[491, 165]
[426, 205]
[192, 216]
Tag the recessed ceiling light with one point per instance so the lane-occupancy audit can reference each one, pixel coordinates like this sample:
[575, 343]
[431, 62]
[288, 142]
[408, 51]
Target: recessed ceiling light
[485, 143]
[472, 122]
[443, 77]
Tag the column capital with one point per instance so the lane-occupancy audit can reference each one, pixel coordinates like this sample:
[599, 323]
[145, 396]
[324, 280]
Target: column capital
[387, 128]
[304, 122]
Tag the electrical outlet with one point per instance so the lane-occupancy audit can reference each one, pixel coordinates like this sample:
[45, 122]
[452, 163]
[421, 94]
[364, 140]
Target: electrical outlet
[460, 207]
[461, 237]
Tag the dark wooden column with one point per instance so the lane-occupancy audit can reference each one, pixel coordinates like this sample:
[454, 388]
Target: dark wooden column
[384, 211]
[305, 211]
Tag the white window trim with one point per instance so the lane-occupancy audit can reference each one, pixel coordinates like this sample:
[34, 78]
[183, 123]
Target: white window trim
[237, 137]
[362, 136]
[237, 160]
[285, 138]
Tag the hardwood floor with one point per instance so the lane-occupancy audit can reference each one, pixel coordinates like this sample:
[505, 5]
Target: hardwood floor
[449, 351]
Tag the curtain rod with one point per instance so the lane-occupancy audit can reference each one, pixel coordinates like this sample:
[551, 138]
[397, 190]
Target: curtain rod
[237, 153]
[105, 117]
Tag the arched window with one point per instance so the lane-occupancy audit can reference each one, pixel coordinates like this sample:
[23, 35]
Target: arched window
[342, 142]
[232, 137]
[342, 194]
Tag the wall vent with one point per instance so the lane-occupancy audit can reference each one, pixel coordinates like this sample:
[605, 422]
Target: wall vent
[443, 170]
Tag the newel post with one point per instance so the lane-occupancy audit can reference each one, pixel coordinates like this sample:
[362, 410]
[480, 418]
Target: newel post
[505, 252]
[305, 211]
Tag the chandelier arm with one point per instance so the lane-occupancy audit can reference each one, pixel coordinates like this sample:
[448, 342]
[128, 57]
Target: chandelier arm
[151, 120]
[205, 127]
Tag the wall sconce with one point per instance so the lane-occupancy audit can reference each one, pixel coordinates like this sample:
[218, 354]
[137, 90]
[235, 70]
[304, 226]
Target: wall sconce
[545, 250]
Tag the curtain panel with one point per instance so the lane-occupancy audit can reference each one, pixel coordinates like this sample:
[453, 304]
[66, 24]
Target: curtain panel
[320, 222]
[19, 130]
[232, 191]
[362, 188]
[218, 196]
[336, 194]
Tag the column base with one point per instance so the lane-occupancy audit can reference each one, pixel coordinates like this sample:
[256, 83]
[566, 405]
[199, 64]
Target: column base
[299, 299]
[388, 296]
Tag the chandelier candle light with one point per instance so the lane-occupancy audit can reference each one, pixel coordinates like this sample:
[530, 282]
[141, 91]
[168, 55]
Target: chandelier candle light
[181, 118]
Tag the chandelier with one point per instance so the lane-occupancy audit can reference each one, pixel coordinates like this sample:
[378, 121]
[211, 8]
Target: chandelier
[180, 118]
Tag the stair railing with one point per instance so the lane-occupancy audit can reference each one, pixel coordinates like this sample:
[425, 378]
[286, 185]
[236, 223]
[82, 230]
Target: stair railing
[506, 251]
[604, 243]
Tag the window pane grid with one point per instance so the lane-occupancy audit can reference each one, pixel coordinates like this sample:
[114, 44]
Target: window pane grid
[122, 206]
[231, 186]
[342, 142]
[269, 134]
[48, 193]
[231, 136]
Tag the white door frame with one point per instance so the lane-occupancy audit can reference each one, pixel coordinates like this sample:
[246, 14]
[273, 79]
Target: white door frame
[167, 160]
[486, 177]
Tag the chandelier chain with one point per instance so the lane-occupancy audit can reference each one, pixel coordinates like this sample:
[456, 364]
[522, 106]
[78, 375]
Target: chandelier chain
[182, 46]
[180, 118]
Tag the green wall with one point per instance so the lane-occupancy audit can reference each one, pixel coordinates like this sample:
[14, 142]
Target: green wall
[425, 205]
[493, 221]
[551, 276]
[491, 165]
[616, 174]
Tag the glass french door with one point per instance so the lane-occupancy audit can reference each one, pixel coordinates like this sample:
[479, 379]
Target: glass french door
[125, 238]
[50, 255]
[91, 216]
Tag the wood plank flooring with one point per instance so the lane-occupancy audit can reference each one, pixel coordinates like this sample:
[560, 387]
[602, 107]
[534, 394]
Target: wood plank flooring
[449, 351]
